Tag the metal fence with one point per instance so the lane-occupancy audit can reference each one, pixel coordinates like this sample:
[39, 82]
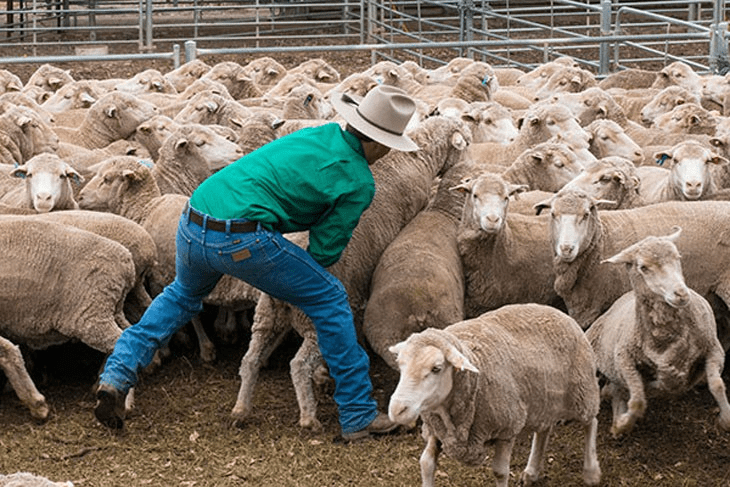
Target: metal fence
[604, 35]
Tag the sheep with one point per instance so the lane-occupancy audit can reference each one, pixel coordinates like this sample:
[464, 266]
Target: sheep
[189, 155]
[448, 73]
[581, 236]
[171, 105]
[593, 104]
[666, 100]
[13, 365]
[607, 138]
[489, 121]
[230, 74]
[47, 185]
[547, 166]
[443, 141]
[48, 79]
[71, 97]
[497, 248]
[613, 181]
[85, 160]
[678, 73]
[23, 135]
[318, 70]
[207, 107]
[264, 71]
[569, 79]
[112, 117]
[186, 74]
[418, 282]
[153, 132]
[476, 82]
[45, 305]
[26, 479]
[520, 369]
[715, 90]
[688, 175]
[16, 98]
[147, 81]
[125, 187]
[538, 124]
[131, 235]
[257, 130]
[9, 82]
[687, 118]
[534, 79]
[357, 84]
[659, 339]
[628, 79]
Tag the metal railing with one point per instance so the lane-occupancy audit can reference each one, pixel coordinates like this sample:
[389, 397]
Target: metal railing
[603, 35]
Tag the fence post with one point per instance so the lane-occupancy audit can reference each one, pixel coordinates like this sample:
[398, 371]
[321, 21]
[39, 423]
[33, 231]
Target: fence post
[466, 25]
[719, 60]
[190, 51]
[603, 49]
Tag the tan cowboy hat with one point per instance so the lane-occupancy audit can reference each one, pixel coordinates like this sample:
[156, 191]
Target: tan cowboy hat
[382, 115]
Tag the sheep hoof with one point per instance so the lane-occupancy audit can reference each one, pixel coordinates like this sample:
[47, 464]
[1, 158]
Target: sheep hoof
[238, 418]
[207, 353]
[311, 424]
[724, 422]
[527, 479]
[40, 412]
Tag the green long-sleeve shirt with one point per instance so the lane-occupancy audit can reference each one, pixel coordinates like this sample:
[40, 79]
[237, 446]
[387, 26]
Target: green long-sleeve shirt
[314, 179]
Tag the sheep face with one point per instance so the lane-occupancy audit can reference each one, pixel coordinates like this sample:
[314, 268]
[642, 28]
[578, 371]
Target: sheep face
[205, 144]
[148, 81]
[486, 202]
[654, 263]
[48, 182]
[690, 168]
[678, 73]
[79, 94]
[489, 122]
[573, 223]
[607, 138]
[187, 74]
[571, 80]
[426, 375]
[112, 181]
[555, 164]
[608, 179]
[688, 118]
[665, 101]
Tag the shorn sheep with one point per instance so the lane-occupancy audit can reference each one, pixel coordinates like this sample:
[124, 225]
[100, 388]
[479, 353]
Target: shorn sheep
[581, 236]
[47, 185]
[659, 339]
[403, 184]
[43, 304]
[520, 369]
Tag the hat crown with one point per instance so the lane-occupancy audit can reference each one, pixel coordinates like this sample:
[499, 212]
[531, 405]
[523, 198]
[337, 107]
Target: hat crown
[388, 108]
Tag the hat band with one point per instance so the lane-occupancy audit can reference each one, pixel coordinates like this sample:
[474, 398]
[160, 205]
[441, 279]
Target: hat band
[386, 129]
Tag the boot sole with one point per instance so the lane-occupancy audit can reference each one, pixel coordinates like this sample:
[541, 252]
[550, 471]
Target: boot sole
[105, 411]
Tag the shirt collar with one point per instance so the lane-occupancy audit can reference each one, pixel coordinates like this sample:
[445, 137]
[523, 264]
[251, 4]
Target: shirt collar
[353, 142]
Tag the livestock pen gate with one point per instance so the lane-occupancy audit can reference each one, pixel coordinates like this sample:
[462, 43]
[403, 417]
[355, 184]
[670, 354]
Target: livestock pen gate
[603, 35]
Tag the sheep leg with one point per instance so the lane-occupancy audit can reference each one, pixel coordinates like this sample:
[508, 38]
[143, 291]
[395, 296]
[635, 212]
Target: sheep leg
[500, 464]
[713, 371]
[428, 461]
[205, 345]
[591, 468]
[11, 362]
[537, 456]
[266, 334]
[637, 399]
[302, 368]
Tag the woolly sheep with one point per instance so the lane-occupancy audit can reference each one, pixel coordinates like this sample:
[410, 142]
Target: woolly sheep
[569, 79]
[148, 81]
[191, 154]
[687, 118]
[534, 79]
[112, 117]
[443, 142]
[15, 98]
[186, 74]
[612, 181]
[520, 369]
[47, 185]
[207, 107]
[538, 124]
[547, 166]
[661, 325]
[77, 95]
[607, 138]
[489, 122]
[688, 175]
[476, 82]
[665, 101]
[581, 236]
[49, 79]
[264, 71]
[24, 134]
[506, 256]
[318, 70]
[153, 132]
[678, 73]
[418, 282]
[230, 74]
[61, 310]
[9, 82]
[629, 78]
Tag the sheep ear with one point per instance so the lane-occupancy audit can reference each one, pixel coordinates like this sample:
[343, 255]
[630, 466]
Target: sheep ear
[23, 122]
[459, 360]
[276, 124]
[86, 99]
[694, 120]
[626, 256]
[111, 111]
[601, 110]
[515, 189]
[396, 349]
[464, 187]
[662, 157]
[675, 236]
[716, 159]
[458, 141]
[19, 172]
[538, 207]
[75, 176]
[211, 106]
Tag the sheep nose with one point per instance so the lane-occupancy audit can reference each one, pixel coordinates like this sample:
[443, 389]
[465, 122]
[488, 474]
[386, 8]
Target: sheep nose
[42, 197]
[566, 248]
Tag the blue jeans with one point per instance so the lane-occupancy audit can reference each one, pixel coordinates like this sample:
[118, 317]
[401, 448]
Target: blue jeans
[271, 263]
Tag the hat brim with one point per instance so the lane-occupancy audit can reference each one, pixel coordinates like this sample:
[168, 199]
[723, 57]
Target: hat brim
[348, 111]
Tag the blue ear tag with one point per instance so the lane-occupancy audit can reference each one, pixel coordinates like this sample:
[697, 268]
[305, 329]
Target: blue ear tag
[309, 99]
[662, 159]
[15, 164]
[145, 163]
[486, 79]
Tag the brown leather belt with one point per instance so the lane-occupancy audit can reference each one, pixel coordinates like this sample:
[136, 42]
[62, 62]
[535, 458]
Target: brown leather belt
[220, 226]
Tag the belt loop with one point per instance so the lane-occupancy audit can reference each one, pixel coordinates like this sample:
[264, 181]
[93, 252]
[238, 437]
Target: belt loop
[204, 226]
[228, 228]
[187, 212]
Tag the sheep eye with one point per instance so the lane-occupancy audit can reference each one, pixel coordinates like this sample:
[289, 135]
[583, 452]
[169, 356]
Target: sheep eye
[559, 164]
[62, 176]
[107, 180]
[604, 137]
[200, 143]
[643, 269]
[436, 369]
[551, 122]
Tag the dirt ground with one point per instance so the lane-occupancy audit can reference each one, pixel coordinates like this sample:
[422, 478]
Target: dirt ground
[180, 433]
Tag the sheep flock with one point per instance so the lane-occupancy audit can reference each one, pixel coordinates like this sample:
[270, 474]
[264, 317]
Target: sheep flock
[502, 274]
